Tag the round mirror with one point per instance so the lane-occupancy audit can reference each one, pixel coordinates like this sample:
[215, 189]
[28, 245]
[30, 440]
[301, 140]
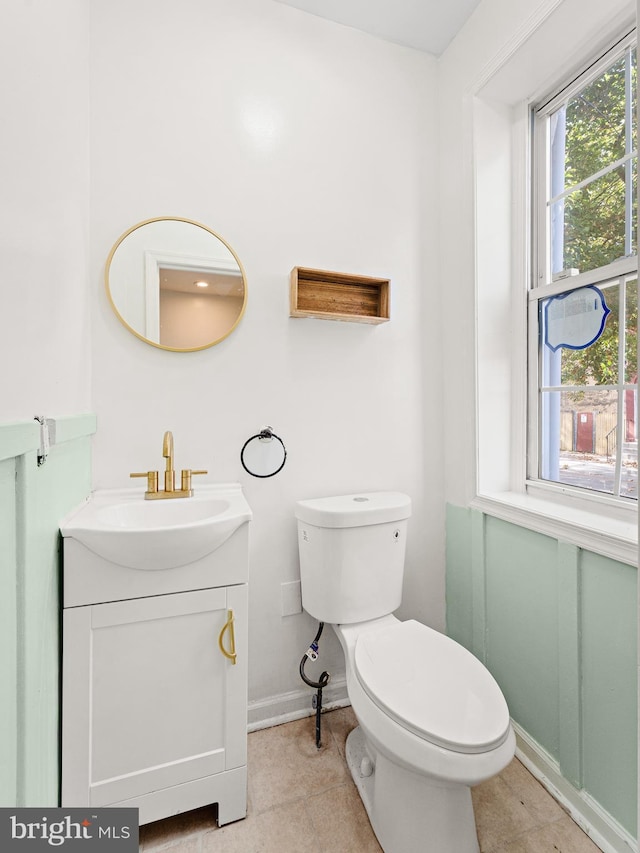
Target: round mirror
[176, 284]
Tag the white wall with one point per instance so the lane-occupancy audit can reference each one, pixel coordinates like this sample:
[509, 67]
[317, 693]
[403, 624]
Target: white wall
[300, 142]
[44, 221]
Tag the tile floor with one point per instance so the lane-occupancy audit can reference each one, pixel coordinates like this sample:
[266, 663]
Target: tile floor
[302, 800]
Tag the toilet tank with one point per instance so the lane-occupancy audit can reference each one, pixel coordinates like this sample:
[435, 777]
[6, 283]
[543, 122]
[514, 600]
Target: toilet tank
[352, 551]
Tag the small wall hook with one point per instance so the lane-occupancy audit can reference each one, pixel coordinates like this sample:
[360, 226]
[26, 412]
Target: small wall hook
[47, 437]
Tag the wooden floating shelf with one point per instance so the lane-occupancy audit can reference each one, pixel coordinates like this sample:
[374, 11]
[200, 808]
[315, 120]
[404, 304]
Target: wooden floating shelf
[339, 296]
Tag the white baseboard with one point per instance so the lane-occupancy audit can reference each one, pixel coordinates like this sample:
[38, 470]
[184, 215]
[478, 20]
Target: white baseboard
[285, 707]
[598, 824]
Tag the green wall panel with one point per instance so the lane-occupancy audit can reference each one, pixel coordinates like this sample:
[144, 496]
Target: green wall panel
[8, 635]
[458, 578]
[522, 626]
[569, 663]
[33, 500]
[557, 627]
[609, 685]
[46, 495]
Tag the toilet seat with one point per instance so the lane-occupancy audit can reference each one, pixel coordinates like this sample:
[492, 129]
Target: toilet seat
[432, 686]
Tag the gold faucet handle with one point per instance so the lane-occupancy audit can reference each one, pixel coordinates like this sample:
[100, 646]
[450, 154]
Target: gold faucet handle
[152, 479]
[186, 476]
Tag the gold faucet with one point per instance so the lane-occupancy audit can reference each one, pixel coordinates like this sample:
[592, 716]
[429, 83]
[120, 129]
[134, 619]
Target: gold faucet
[169, 491]
[167, 452]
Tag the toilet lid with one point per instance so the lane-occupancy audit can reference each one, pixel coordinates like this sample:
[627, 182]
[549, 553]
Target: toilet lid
[432, 686]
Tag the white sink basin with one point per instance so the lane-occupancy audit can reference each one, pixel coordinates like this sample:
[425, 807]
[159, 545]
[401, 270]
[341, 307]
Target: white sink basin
[123, 527]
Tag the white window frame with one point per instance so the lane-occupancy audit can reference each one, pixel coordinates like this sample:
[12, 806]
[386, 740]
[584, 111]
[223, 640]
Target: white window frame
[542, 284]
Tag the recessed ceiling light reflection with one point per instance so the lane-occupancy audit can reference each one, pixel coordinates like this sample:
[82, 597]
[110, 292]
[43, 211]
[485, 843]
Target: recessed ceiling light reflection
[201, 283]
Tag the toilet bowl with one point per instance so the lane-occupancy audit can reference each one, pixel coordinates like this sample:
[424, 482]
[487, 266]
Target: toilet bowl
[416, 789]
[432, 720]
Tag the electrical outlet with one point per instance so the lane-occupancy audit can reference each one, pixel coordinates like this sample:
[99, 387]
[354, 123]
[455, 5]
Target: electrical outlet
[291, 598]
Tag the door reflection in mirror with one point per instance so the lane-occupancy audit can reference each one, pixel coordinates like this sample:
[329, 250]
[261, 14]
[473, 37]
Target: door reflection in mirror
[176, 284]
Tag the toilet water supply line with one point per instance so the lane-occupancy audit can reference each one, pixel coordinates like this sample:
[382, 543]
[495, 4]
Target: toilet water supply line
[312, 654]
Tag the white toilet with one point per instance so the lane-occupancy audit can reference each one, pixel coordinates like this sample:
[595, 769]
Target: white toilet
[432, 720]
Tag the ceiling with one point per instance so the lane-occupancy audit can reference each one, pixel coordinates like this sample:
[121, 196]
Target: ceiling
[184, 281]
[427, 25]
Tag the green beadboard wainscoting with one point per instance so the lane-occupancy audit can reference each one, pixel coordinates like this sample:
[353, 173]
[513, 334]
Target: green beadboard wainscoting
[33, 500]
[556, 626]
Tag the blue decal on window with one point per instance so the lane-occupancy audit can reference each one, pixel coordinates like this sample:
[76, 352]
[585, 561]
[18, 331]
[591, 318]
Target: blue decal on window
[576, 319]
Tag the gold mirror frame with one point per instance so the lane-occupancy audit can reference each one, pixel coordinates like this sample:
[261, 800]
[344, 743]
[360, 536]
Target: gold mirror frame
[138, 334]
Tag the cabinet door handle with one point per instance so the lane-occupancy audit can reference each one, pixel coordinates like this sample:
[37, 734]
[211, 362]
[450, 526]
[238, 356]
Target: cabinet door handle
[228, 626]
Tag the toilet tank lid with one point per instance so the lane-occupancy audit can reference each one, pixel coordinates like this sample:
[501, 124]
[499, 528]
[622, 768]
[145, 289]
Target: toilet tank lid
[355, 510]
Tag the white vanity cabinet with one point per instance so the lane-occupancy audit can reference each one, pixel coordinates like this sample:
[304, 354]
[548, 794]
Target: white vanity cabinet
[154, 711]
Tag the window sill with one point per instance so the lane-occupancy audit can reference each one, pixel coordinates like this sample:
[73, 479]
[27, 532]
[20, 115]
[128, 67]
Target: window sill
[589, 529]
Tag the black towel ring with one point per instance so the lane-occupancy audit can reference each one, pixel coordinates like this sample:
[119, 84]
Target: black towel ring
[259, 460]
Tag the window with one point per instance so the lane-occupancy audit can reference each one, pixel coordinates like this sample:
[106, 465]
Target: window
[583, 305]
